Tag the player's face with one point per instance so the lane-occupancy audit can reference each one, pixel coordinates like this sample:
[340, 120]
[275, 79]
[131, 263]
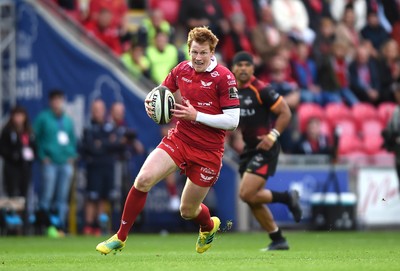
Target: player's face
[243, 71]
[200, 55]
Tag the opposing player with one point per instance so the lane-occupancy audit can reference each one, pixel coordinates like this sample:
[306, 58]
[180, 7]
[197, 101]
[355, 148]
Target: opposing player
[260, 155]
[209, 106]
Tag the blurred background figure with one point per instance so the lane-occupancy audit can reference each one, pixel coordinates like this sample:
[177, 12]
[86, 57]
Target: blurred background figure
[266, 38]
[313, 140]
[17, 148]
[98, 150]
[292, 19]
[333, 75]
[364, 76]
[56, 149]
[163, 56]
[153, 24]
[102, 29]
[389, 67]
[124, 164]
[135, 61]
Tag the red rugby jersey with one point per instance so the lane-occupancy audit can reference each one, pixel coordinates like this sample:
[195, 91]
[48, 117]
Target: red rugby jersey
[209, 92]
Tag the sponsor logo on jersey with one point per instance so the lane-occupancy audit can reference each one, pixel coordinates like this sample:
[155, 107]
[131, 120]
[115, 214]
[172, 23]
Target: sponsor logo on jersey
[233, 93]
[205, 84]
[204, 103]
[247, 101]
[232, 82]
[186, 80]
[229, 76]
[214, 74]
[247, 112]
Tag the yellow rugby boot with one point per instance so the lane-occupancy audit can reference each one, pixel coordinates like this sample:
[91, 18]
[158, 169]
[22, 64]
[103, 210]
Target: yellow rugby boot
[113, 243]
[206, 238]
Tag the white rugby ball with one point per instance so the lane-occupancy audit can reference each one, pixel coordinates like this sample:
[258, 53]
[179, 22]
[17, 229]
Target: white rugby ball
[162, 100]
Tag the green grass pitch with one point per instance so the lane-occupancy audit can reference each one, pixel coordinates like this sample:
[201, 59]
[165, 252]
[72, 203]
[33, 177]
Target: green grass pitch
[326, 251]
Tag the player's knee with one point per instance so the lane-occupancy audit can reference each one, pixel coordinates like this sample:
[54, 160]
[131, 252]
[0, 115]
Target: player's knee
[144, 182]
[246, 196]
[187, 213]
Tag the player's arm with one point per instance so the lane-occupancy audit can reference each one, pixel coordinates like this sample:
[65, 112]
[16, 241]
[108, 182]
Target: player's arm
[228, 120]
[281, 109]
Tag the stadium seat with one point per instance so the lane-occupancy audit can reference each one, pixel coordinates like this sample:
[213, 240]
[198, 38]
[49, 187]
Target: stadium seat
[363, 111]
[371, 127]
[372, 144]
[349, 144]
[346, 127]
[307, 110]
[385, 111]
[335, 112]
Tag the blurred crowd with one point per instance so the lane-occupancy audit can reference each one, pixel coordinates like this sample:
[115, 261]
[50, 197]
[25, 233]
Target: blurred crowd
[310, 51]
[336, 62]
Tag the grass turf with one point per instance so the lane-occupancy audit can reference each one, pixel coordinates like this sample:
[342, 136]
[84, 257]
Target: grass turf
[231, 251]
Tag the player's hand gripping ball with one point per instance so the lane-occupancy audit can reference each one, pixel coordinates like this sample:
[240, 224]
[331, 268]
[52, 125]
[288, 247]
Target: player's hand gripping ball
[162, 100]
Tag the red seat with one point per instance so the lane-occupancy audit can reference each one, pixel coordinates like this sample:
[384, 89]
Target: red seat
[371, 127]
[306, 111]
[372, 144]
[385, 111]
[363, 111]
[349, 144]
[335, 112]
[346, 127]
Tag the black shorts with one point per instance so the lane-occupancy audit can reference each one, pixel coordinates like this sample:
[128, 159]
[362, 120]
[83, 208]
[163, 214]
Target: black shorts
[100, 181]
[259, 162]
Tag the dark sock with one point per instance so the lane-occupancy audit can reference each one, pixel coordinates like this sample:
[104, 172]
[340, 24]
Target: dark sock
[276, 236]
[281, 197]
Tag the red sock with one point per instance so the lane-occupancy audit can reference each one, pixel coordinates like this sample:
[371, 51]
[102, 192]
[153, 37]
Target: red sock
[204, 219]
[133, 206]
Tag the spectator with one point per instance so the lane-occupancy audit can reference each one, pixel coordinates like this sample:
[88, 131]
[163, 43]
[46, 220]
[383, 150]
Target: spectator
[389, 67]
[374, 31]
[337, 8]
[245, 7]
[316, 10]
[391, 133]
[292, 19]
[131, 146]
[313, 141]
[333, 76]
[364, 76]
[102, 29]
[305, 73]
[17, 148]
[346, 31]
[117, 8]
[201, 13]
[238, 39]
[266, 38]
[162, 56]
[98, 148]
[322, 46]
[56, 149]
[136, 62]
[152, 24]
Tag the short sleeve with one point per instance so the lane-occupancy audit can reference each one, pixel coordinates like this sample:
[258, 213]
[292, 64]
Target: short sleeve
[269, 96]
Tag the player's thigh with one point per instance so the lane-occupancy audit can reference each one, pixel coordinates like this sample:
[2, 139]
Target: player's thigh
[157, 166]
[192, 196]
[250, 184]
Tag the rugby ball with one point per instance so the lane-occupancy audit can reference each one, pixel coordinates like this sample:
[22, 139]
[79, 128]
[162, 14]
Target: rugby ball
[162, 100]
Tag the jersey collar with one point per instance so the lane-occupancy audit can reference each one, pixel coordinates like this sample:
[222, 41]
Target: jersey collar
[213, 64]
